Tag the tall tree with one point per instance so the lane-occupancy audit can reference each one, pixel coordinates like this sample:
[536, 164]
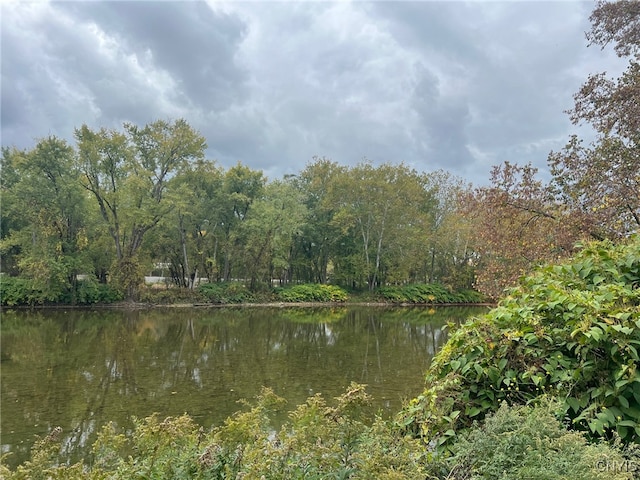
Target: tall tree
[381, 207]
[602, 180]
[517, 224]
[44, 209]
[594, 191]
[128, 174]
[320, 237]
[449, 234]
[275, 219]
[188, 237]
[617, 22]
[241, 187]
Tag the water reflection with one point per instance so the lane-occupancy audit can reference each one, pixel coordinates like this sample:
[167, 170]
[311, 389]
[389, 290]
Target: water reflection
[81, 369]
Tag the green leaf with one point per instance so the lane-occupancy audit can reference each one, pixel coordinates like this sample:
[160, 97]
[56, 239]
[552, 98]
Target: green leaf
[473, 411]
[622, 383]
[596, 426]
[502, 363]
[627, 423]
[623, 401]
[573, 403]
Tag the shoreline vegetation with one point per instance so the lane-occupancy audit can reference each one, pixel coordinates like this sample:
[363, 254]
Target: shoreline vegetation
[17, 292]
[545, 381]
[142, 306]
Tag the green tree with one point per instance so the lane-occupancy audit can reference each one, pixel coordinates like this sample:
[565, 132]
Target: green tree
[8, 202]
[188, 237]
[271, 227]
[128, 174]
[446, 233]
[44, 209]
[320, 238]
[380, 208]
[241, 187]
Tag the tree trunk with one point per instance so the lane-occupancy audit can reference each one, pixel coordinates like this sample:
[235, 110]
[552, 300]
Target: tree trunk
[188, 282]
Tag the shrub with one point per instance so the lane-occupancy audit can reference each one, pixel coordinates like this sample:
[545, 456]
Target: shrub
[427, 293]
[344, 440]
[573, 329]
[227, 292]
[168, 296]
[316, 292]
[530, 442]
[90, 291]
[16, 291]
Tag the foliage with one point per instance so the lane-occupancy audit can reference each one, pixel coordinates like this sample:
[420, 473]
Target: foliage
[517, 225]
[168, 296]
[617, 22]
[530, 442]
[602, 180]
[43, 464]
[90, 291]
[124, 202]
[20, 291]
[128, 175]
[344, 440]
[319, 441]
[594, 189]
[311, 293]
[573, 329]
[44, 208]
[241, 188]
[384, 211]
[226, 292]
[189, 236]
[269, 232]
[427, 293]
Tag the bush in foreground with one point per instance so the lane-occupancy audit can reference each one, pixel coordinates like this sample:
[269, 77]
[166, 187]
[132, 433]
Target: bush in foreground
[342, 440]
[530, 443]
[570, 329]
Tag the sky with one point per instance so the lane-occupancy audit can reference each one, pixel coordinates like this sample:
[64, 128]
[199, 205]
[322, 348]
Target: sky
[452, 85]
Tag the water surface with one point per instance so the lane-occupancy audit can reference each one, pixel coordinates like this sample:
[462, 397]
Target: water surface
[80, 369]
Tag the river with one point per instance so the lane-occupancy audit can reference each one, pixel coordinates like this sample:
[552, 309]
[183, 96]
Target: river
[79, 369]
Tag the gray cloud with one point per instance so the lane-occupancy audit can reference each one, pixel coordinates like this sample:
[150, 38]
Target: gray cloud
[452, 85]
[189, 41]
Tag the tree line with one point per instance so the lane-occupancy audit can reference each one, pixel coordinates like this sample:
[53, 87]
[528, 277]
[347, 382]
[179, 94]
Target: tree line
[122, 203]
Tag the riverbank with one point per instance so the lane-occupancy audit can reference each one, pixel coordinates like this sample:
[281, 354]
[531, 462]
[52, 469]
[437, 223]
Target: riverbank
[146, 306]
[14, 292]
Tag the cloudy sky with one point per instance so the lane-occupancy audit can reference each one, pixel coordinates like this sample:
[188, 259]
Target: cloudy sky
[436, 84]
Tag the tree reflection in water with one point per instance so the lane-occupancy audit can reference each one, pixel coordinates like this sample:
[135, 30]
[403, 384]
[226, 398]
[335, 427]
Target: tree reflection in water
[81, 369]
